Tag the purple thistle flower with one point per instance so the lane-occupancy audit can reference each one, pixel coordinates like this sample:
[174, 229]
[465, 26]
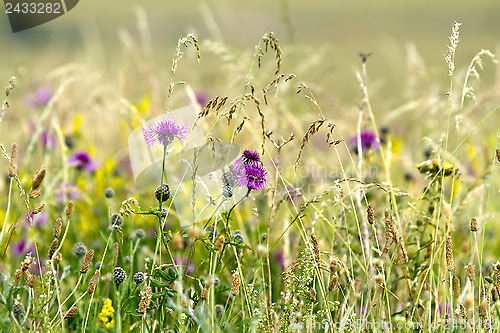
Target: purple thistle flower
[254, 177]
[82, 160]
[368, 141]
[39, 97]
[248, 157]
[165, 131]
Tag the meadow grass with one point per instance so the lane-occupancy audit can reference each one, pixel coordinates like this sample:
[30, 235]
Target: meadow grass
[334, 218]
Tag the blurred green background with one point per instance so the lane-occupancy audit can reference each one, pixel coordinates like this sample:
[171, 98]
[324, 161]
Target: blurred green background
[335, 30]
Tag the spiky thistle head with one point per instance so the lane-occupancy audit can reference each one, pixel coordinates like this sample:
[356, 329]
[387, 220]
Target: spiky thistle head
[165, 131]
[254, 177]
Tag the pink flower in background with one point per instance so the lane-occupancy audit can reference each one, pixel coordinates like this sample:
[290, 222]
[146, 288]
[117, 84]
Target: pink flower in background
[83, 161]
[39, 97]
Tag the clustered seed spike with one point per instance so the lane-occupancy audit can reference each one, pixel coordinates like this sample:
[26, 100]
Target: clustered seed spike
[70, 313]
[57, 258]
[57, 227]
[473, 224]
[390, 232]
[119, 275]
[13, 161]
[38, 208]
[36, 194]
[470, 272]
[404, 254]
[93, 282]
[498, 154]
[26, 263]
[115, 253]
[30, 279]
[38, 178]
[87, 262]
[333, 281]
[145, 299]
[17, 277]
[449, 255]
[456, 286]
[162, 193]
[53, 248]
[206, 289]
[70, 208]
[314, 242]
[235, 286]
[371, 214]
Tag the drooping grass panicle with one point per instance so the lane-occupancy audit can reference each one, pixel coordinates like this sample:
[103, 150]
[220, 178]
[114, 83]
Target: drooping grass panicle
[450, 53]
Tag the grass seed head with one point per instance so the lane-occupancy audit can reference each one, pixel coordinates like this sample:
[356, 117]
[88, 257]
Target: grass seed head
[38, 178]
[13, 161]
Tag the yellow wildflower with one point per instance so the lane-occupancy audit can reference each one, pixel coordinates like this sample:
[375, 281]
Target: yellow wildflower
[107, 313]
